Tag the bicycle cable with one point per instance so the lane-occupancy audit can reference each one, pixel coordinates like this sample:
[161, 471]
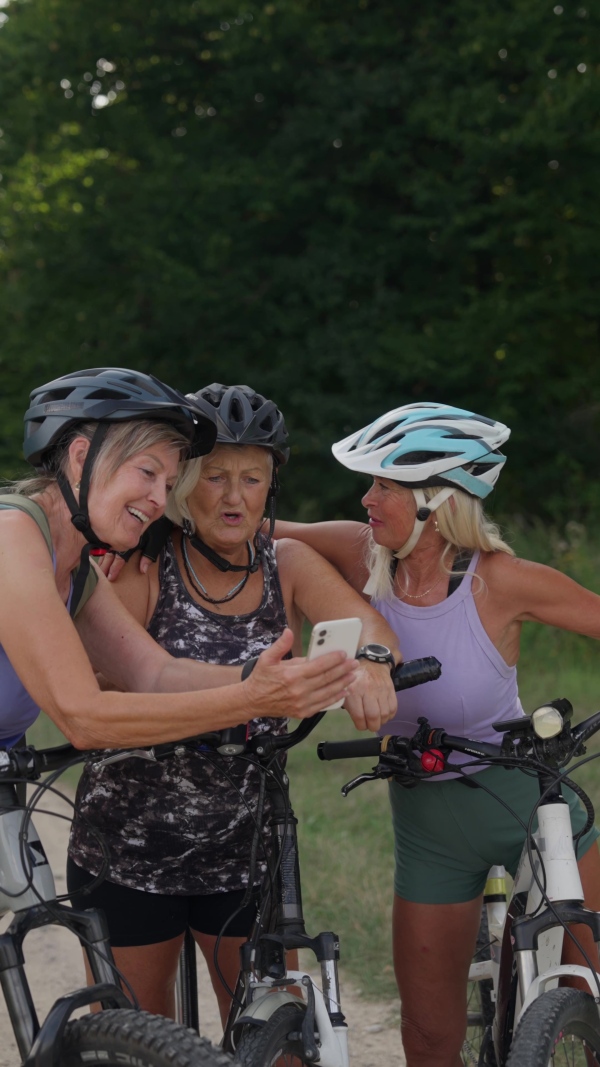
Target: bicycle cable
[58, 916]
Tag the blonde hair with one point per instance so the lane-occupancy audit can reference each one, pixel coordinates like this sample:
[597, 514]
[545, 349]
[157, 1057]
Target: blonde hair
[462, 523]
[123, 441]
[189, 475]
[177, 507]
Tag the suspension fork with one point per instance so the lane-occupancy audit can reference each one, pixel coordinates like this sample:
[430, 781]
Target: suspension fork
[289, 925]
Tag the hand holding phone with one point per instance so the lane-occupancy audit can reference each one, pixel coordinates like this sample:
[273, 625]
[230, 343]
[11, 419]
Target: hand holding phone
[335, 635]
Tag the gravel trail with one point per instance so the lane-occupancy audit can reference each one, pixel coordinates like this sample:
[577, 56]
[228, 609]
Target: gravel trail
[54, 966]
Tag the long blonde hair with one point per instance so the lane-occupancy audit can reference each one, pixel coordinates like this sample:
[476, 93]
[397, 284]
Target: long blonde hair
[462, 523]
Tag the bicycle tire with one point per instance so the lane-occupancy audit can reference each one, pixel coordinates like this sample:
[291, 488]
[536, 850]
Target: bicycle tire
[135, 1037]
[561, 1027]
[276, 1042]
[478, 1048]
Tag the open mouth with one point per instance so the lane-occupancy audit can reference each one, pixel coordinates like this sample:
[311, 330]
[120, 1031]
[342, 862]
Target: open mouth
[232, 518]
[139, 515]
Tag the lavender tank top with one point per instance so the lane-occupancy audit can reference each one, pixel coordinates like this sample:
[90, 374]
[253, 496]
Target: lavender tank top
[18, 710]
[476, 687]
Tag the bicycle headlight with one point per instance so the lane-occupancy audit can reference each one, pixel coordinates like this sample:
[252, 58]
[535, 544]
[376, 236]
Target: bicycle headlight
[547, 722]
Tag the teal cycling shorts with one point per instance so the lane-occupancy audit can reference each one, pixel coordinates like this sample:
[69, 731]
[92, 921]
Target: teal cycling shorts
[447, 835]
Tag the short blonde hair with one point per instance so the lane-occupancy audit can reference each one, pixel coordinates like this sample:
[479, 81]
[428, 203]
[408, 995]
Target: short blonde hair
[123, 441]
[462, 523]
[189, 475]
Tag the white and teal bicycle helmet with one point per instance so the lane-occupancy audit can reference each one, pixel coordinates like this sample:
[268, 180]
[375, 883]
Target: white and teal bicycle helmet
[423, 445]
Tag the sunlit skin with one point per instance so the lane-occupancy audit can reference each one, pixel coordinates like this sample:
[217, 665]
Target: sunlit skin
[135, 496]
[229, 500]
[391, 510]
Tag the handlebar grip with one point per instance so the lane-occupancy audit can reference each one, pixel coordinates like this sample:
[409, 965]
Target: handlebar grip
[416, 672]
[363, 746]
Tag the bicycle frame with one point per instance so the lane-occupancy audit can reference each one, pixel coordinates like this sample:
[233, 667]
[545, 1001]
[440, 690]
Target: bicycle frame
[530, 934]
[280, 927]
[27, 889]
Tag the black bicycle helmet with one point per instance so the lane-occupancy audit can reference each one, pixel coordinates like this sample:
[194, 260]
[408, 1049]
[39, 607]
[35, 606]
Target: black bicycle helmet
[110, 394]
[244, 417]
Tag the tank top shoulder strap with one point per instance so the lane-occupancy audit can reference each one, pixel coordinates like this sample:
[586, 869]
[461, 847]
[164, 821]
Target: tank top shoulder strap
[460, 568]
[30, 507]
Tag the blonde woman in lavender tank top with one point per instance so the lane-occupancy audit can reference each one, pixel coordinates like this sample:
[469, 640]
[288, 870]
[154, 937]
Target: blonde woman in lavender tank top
[449, 586]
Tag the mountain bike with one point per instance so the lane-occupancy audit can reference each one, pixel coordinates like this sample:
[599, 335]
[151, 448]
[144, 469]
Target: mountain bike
[278, 1014]
[117, 1034]
[524, 1019]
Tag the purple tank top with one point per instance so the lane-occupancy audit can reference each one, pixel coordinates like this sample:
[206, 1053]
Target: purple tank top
[476, 687]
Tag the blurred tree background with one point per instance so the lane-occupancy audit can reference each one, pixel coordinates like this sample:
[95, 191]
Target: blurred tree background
[349, 206]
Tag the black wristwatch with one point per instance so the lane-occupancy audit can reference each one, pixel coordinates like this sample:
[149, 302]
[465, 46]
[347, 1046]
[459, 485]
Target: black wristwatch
[377, 654]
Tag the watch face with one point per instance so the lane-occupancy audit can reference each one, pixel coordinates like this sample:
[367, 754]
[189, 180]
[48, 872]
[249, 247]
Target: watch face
[377, 650]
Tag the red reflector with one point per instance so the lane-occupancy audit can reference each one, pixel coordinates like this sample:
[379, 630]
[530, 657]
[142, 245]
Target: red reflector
[432, 761]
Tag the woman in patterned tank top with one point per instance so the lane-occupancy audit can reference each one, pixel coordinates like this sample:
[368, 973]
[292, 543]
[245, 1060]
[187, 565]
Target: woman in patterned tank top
[180, 832]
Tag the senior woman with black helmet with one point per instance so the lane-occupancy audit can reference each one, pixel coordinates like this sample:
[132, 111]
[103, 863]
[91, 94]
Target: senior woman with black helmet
[438, 570]
[180, 834]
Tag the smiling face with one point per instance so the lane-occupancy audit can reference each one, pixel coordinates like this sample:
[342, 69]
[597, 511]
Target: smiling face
[228, 503]
[123, 506]
[391, 509]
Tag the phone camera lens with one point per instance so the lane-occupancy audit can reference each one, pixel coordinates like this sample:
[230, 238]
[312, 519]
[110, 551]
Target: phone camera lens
[321, 641]
[322, 633]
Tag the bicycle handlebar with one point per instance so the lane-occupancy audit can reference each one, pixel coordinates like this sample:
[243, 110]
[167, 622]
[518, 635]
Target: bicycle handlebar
[416, 672]
[30, 763]
[520, 741]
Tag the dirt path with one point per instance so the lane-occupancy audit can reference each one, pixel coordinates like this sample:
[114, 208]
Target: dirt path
[55, 966]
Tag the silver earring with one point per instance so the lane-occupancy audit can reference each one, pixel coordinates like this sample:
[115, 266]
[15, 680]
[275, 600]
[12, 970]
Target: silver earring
[435, 526]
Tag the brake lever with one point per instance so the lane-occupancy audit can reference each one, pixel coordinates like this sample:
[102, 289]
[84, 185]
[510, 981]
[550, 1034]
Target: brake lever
[141, 753]
[375, 775]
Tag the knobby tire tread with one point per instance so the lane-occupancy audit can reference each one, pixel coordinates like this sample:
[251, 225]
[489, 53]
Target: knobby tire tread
[261, 1046]
[122, 1036]
[557, 1013]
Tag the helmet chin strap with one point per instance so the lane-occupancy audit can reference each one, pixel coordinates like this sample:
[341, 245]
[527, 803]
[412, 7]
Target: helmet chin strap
[80, 516]
[424, 510]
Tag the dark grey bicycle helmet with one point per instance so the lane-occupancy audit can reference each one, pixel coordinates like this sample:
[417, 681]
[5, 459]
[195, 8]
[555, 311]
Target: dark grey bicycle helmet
[103, 395]
[110, 394]
[244, 417]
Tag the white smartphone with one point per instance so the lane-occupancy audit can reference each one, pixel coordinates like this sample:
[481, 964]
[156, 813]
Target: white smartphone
[336, 635]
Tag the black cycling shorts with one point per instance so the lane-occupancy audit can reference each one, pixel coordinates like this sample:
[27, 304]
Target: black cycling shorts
[138, 918]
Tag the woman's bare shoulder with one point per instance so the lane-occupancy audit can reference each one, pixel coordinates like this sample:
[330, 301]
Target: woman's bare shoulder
[138, 591]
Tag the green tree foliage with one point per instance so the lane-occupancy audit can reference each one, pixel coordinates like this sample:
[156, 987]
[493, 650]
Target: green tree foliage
[350, 206]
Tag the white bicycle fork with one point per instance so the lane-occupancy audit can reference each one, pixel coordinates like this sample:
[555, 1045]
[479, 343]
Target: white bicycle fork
[555, 865]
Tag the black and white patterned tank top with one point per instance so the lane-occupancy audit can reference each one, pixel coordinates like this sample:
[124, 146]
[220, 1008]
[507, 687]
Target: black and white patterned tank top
[182, 826]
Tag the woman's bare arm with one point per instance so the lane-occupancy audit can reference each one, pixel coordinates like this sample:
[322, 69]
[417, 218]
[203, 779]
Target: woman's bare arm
[517, 591]
[313, 589]
[49, 657]
[342, 543]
